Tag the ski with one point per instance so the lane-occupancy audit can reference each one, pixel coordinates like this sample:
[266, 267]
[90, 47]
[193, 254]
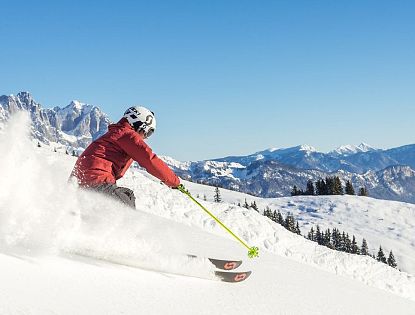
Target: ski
[220, 275]
[221, 263]
[232, 277]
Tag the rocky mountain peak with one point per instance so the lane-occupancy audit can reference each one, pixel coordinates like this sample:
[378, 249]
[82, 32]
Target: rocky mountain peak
[25, 97]
[75, 125]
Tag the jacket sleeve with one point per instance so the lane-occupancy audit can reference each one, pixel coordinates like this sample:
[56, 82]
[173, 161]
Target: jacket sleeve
[140, 152]
[124, 170]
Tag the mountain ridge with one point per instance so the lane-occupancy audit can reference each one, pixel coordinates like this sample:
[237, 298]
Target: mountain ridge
[74, 125]
[387, 174]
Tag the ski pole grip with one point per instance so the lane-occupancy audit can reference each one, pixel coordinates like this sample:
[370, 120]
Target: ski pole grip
[182, 189]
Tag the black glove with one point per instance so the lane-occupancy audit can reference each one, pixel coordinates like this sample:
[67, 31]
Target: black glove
[180, 187]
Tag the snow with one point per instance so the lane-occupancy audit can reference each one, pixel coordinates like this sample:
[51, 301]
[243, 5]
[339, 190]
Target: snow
[381, 222]
[48, 227]
[276, 152]
[350, 149]
[175, 163]
[77, 106]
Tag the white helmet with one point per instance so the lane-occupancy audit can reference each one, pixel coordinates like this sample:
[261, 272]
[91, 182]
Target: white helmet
[141, 119]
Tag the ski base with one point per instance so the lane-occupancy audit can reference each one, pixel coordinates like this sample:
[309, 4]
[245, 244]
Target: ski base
[232, 277]
[221, 263]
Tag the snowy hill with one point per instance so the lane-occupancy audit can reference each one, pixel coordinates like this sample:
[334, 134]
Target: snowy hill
[381, 222]
[45, 224]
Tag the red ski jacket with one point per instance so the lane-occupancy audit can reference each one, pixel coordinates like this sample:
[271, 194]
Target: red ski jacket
[107, 159]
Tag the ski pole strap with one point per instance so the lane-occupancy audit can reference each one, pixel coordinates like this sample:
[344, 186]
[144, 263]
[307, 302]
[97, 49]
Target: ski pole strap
[252, 251]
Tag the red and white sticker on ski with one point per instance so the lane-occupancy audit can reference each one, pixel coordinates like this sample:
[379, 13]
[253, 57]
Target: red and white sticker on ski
[220, 263]
[232, 276]
[225, 264]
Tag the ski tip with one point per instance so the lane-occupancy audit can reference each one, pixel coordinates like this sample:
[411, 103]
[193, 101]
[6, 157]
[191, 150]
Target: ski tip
[232, 277]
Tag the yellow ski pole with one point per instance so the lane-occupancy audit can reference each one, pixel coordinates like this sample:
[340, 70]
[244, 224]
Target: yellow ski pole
[252, 251]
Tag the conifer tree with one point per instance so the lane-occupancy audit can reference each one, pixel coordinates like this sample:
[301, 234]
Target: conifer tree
[217, 197]
[273, 215]
[319, 237]
[334, 240]
[330, 185]
[364, 250]
[254, 206]
[246, 205]
[311, 235]
[348, 244]
[326, 189]
[381, 256]
[297, 229]
[310, 191]
[318, 188]
[38, 144]
[295, 191]
[321, 187]
[338, 241]
[289, 223]
[204, 198]
[343, 242]
[327, 238]
[268, 212]
[280, 218]
[363, 192]
[392, 261]
[349, 188]
[354, 249]
[337, 186]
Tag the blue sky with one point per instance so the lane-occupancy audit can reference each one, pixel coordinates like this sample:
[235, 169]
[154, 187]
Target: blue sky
[223, 77]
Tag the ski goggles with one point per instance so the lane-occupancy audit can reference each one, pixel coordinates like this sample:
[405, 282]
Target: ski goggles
[149, 133]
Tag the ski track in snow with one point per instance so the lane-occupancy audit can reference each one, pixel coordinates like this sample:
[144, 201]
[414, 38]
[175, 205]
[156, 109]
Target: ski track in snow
[59, 245]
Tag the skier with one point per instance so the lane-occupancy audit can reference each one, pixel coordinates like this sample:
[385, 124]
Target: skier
[107, 159]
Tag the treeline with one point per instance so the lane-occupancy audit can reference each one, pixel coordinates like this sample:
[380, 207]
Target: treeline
[341, 241]
[247, 205]
[331, 185]
[333, 239]
[288, 222]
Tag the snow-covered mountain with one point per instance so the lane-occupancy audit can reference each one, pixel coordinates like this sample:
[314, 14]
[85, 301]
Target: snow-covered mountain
[388, 174]
[57, 244]
[270, 178]
[350, 149]
[306, 157]
[75, 125]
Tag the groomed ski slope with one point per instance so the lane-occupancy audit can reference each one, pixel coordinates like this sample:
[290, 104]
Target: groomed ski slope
[47, 226]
